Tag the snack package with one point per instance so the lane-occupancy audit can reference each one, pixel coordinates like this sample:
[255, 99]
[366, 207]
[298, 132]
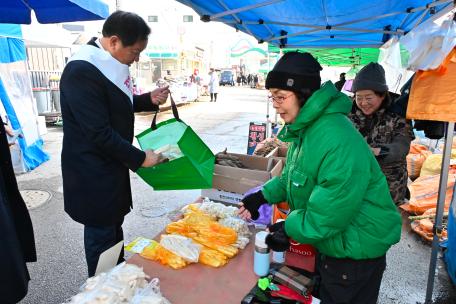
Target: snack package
[181, 246]
[170, 151]
[158, 253]
[211, 257]
[150, 294]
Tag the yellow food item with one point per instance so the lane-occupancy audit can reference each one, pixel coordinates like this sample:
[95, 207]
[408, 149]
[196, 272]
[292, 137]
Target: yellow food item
[227, 250]
[212, 257]
[160, 254]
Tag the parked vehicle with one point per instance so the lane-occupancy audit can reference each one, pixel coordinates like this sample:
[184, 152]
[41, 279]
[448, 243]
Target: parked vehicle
[226, 78]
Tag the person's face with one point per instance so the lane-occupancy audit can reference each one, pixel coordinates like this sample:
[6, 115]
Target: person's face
[285, 103]
[125, 54]
[368, 101]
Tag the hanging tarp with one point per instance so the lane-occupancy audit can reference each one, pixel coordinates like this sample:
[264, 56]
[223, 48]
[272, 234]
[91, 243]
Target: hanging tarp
[16, 98]
[321, 24]
[450, 254]
[52, 11]
[432, 96]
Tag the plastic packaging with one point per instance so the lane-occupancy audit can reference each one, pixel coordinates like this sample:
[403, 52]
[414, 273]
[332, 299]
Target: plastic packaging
[181, 246]
[278, 257]
[261, 255]
[158, 253]
[150, 294]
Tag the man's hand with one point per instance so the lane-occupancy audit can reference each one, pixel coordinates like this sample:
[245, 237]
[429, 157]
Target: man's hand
[10, 133]
[153, 159]
[159, 95]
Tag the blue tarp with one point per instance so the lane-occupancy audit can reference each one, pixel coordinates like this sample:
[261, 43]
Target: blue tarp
[52, 11]
[450, 253]
[12, 49]
[320, 24]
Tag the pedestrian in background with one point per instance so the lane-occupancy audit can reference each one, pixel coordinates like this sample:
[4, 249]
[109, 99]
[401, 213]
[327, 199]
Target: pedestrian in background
[16, 230]
[98, 109]
[338, 197]
[213, 85]
[340, 84]
[387, 134]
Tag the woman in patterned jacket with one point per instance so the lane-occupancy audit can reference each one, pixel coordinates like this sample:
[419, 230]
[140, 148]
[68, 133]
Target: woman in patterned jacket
[388, 134]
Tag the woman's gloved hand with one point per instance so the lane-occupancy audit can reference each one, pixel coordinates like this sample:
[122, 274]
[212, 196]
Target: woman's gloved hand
[250, 205]
[277, 239]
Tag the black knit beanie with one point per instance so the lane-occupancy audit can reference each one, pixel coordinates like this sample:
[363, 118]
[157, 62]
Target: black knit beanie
[370, 77]
[295, 71]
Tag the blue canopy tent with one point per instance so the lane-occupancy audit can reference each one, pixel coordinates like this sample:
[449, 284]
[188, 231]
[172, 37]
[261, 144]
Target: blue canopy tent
[333, 24]
[321, 24]
[52, 11]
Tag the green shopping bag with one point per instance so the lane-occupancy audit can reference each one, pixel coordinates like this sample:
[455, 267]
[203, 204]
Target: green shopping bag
[193, 170]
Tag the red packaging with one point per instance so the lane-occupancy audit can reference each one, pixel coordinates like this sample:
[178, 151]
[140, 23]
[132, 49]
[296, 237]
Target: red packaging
[301, 256]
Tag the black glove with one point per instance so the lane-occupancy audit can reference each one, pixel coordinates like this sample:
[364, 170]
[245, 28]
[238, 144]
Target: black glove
[252, 203]
[277, 239]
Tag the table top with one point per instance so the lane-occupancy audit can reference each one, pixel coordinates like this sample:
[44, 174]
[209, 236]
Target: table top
[201, 284]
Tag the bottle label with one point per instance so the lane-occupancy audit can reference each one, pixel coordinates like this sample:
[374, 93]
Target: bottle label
[262, 249]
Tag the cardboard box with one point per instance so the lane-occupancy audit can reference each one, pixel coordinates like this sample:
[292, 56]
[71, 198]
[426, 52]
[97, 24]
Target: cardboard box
[222, 196]
[228, 181]
[279, 153]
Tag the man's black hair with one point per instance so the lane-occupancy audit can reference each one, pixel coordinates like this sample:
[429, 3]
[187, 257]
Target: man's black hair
[129, 27]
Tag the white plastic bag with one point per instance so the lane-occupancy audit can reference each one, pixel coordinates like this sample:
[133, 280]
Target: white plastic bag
[181, 246]
[429, 44]
[150, 294]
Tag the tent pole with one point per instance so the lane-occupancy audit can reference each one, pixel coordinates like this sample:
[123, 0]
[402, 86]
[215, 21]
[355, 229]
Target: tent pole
[243, 9]
[440, 208]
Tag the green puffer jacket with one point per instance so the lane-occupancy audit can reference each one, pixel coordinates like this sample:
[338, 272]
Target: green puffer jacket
[338, 195]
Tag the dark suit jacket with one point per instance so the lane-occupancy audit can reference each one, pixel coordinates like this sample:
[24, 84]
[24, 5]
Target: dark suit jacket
[16, 231]
[97, 147]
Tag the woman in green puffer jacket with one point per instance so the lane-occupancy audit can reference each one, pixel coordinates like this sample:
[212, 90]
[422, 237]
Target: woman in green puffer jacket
[337, 193]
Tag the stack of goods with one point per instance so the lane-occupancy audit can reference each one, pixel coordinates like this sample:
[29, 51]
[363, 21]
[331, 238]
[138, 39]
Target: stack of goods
[225, 159]
[424, 169]
[424, 224]
[415, 159]
[210, 233]
[126, 283]
[266, 146]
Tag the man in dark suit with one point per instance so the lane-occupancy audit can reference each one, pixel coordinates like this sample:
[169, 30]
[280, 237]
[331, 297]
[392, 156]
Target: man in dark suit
[98, 113]
[16, 230]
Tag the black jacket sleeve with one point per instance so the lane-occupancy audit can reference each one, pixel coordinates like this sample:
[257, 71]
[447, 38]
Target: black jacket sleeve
[83, 91]
[143, 103]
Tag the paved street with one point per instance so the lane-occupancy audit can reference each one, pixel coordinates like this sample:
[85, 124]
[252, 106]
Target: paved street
[61, 269]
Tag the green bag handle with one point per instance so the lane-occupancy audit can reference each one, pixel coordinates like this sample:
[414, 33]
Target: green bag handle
[153, 126]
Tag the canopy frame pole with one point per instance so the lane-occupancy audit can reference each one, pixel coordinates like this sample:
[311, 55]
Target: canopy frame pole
[437, 229]
[321, 28]
[418, 21]
[27, 5]
[243, 9]
[236, 18]
[413, 10]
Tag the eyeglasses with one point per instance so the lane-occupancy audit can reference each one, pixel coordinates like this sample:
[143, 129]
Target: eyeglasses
[368, 99]
[278, 99]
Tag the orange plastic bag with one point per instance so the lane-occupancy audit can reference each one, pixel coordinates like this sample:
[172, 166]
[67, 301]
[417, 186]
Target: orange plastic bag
[424, 193]
[415, 159]
[280, 211]
[158, 253]
[432, 93]
[212, 257]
